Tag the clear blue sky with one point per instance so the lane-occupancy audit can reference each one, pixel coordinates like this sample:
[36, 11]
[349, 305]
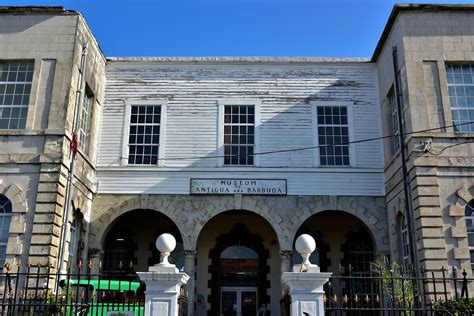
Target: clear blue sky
[340, 28]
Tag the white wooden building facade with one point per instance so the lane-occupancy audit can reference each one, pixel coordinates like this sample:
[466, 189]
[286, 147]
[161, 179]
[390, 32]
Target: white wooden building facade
[287, 135]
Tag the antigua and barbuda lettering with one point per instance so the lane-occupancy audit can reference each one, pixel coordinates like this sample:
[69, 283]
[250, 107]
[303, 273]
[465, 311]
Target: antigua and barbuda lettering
[239, 186]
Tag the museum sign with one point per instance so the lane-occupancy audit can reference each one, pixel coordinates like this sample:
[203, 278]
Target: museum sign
[239, 186]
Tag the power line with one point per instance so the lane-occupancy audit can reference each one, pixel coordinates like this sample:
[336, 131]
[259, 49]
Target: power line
[437, 153]
[316, 147]
[306, 148]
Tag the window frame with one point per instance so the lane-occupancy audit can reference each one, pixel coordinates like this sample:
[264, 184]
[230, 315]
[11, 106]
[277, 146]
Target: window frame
[220, 130]
[126, 131]
[470, 217]
[4, 216]
[27, 108]
[392, 110]
[404, 241]
[449, 96]
[350, 124]
[89, 96]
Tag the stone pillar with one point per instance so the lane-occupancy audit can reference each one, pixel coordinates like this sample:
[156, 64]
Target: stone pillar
[190, 269]
[163, 281]
[285, 256]
[306, 281]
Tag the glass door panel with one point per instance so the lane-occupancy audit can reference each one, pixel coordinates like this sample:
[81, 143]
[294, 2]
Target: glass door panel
[248, 303]
[229, 303]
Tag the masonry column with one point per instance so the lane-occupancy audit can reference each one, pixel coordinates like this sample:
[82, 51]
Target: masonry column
[163, 282]
[306, 281]
[190, 269]
[285, 256]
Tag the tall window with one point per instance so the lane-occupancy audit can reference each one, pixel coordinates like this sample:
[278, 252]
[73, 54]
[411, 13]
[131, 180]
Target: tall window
[15, 87]
[470, 229]
[85, 122]
[239, 135]
[461, 95]
[5, 219]
[333, 136]
[144, 136]
[394, 130]
[76, 228]
[405, 241]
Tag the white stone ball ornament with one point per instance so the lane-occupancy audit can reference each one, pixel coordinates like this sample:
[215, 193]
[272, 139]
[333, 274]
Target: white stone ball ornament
[305, 245]
[165, 243]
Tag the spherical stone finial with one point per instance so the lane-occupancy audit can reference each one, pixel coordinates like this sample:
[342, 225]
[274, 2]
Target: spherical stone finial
[305, 245]
[165, 243]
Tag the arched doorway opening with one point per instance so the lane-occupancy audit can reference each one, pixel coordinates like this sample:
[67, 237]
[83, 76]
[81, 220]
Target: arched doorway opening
[343, 242]
[345, 247]
[238, 265]
[129, 244]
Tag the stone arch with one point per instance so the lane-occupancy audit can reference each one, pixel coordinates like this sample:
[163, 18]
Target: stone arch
[458, 231]
[17, 197]
[284, 214]
[189, 213]
[374, 221]
[102, 224]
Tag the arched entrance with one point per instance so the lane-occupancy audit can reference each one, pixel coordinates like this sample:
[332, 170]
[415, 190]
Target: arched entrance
[129, 244]
[238, 266]
[342, 240]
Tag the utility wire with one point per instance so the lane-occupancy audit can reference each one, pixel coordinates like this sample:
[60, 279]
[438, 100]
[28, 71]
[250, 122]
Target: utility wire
[437, 153]
[318, 146]
[309, 147]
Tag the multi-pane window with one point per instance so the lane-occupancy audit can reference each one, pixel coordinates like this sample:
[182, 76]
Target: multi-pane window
[85, 123]
[76, 227]
[394, 126]
[5, 218]
[333, 136]
[405, 240]
[469, 212]
[239, 135]
[144, 134]
[461, 95]
[15, 87]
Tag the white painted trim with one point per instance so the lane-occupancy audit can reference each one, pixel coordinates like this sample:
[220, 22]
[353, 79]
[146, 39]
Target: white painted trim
[220, 126]
[350, 122]
[125, 133]
[257, 133]
[126, 129]
[352, 147]
[330, 169]
[332, 103]
[315, 140]
[162, 146]
[220, 134]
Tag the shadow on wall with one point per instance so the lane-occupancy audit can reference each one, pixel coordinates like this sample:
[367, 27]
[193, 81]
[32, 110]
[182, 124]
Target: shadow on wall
[285, 120]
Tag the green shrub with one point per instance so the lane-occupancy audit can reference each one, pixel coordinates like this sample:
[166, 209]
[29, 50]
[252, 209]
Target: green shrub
[458, 307]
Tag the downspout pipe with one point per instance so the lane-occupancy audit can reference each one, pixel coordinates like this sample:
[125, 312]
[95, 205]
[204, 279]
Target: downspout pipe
[405, 174]
[65, 228]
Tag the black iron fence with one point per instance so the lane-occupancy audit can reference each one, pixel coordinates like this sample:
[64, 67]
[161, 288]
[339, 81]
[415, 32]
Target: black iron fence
[37, 290]
[183, 302]
[392, 291]
[285, 304]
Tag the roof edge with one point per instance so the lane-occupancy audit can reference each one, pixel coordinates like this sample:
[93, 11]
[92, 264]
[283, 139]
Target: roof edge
[34, 9]
[238, 59]
[405, 7]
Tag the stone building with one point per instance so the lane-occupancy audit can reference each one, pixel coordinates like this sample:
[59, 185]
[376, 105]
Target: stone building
[40, 55]
[237, 156]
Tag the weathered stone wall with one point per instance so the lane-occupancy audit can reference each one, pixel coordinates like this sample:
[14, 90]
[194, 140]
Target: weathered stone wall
[285, 214]
[430, 40]
[35, 160]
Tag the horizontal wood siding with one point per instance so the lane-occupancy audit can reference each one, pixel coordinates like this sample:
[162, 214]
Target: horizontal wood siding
[303, 182]
[192, 92]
